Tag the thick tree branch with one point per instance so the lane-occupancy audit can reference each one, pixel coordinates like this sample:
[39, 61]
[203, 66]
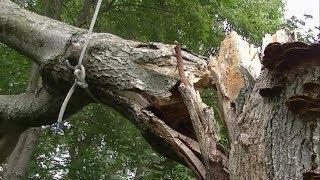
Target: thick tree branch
[17, 163]
[39, 108]
[132, 77]
[18, 112]
[20, 157]
[39, 38]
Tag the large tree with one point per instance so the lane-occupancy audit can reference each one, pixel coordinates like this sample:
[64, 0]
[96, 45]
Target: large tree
[140, 81]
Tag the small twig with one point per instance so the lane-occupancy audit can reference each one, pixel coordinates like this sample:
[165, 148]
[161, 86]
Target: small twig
[254, 56]
[180, 64]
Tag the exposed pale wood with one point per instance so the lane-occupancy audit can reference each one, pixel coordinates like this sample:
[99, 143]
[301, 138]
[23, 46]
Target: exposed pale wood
[204, 125]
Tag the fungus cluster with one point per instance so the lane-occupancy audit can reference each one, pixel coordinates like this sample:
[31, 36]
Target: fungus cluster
[287, 59]
[290, 57]
[305, 105]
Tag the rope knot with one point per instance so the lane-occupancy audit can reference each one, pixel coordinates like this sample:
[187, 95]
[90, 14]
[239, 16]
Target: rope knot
[79, 71]
[79, 76]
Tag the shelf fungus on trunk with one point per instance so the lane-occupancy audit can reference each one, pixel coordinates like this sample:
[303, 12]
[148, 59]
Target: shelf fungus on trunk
[290, 57]
[284, 61]
[305, 105]
[288, 64]
[271, 92]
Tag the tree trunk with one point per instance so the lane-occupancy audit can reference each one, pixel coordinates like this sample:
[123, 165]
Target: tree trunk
[269, 139]
[21, 155]
[17, 163]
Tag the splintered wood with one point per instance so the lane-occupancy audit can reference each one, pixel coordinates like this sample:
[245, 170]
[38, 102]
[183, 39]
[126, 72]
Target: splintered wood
[204, 125]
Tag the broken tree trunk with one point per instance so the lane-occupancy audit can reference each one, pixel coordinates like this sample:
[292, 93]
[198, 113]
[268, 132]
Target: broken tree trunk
[268, 138]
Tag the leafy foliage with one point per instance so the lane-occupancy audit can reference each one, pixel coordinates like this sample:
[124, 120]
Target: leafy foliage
[14, 71]
[210, 98]
[199, 25]
[104, 145]
[252, 19]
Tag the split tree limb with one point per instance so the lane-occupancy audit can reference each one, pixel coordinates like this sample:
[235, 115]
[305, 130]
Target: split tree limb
[204, 125]
[132, 77]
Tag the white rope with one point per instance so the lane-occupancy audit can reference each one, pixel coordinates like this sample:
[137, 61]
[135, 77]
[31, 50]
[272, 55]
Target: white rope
[64, 105]
[79, 72]
[93, 21]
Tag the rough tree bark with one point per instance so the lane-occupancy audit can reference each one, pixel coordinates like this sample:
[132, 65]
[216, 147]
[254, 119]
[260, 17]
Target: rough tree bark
[268, 141]
[17, 163]
[22, 153]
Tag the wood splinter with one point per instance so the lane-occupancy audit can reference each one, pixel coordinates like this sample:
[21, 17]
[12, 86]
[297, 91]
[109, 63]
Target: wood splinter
[202, 118]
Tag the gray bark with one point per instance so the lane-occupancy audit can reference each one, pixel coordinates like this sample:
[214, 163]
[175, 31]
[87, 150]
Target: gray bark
[204, 125]
[270, 142]
[17, 163]
[21, 155]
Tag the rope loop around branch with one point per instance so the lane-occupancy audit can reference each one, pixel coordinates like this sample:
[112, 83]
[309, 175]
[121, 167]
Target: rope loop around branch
[79, 76]
[79, 71]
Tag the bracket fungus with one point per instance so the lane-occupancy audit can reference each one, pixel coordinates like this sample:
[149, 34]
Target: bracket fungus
[271, 92]
[290, 57]
[272, 55]
[285, 60]
[311, 87]
[306, 105]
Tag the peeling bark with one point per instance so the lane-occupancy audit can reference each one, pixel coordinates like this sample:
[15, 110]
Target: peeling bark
[205, 126]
